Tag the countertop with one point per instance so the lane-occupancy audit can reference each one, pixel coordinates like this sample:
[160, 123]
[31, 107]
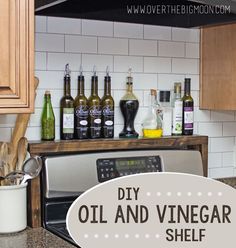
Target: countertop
[33, 238]
[231, 181]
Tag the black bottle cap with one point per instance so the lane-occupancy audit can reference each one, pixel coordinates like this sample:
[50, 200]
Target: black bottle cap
[165, 96]
[187, 85]
[107, 78]
[81, 76]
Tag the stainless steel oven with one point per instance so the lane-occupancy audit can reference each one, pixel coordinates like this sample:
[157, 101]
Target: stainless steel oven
[65, 177]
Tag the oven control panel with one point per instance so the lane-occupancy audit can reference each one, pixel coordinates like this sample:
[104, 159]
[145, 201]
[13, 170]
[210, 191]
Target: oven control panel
[109, 168]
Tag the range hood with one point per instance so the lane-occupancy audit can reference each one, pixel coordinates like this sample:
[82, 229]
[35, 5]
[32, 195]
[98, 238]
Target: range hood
[153, 12]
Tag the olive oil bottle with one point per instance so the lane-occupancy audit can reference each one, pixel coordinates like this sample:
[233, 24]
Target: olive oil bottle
[95, 111]
[47, 119]
[188, 108]
[107, 109]
[81, 110]
[67, 109]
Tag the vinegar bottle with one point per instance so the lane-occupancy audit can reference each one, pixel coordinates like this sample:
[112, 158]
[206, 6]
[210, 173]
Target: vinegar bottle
[129, 105]
[188, 107]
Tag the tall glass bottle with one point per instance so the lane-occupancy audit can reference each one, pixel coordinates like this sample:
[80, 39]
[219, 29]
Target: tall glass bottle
[129, 105]
[177, 111]
[47, 119]
[95, 111]
[152, 124]
[188, 108]
[67, 109]
[81, 110]
[107, 109]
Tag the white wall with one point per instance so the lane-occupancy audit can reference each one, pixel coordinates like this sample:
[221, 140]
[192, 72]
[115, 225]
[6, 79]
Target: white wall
[159, 57]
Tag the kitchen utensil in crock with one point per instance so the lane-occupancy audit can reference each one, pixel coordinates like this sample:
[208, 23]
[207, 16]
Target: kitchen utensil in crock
[31, 168]
[21, 153]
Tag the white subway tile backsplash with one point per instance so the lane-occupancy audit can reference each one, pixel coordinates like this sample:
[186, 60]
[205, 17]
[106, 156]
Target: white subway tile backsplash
[202, 115]
[113, 46]
[185, 34]
[143, 47]
[40, 61]
[57, 61]
[79, 44]
[49, 42]
[171, 49]
[157, 32]
[40, 24]
[221, 172]
[215, 160]
[5, 134]
[64, 25]
[97, 28]
[123, 63]
[192, 50]
[157, 65]
[210, 129]
[128, 30]
[159, 56]
[228, 159]
[222, 144]
[50, 79]
[166, 81]
[222, 116]
[229, 129]
[187, 66]
[101, 62]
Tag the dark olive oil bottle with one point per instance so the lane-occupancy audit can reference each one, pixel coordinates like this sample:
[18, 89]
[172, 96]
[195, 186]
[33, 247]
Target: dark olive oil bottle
[107, 109]
[188, 108]
[47, 119]
[95, 111]
[81, 110]
[67, 109]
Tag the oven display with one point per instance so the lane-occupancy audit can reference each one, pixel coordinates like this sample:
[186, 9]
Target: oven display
[109, 168]
[125, 164]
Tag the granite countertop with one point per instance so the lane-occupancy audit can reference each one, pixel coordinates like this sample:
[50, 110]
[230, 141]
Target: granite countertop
[231, 181]
[33, 238]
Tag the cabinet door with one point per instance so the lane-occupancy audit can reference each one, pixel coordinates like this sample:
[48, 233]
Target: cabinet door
[218, 68]
[16, 56]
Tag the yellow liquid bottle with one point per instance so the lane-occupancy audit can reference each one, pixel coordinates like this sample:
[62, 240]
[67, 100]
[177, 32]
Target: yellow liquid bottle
[152, 124]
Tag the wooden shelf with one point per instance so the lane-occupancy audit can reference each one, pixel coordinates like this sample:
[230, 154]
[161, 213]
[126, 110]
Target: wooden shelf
[74, 146]
[194, 142]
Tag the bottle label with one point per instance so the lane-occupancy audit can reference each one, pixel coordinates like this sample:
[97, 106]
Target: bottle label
[108, 121]
[177, 117]
[68, 120]
[81, 121]
[188, 118]
[95, 114]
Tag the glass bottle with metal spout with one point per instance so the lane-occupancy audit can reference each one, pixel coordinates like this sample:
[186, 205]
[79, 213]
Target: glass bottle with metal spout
[129, 105]
[107, 108]
[47, 119]
[81, 110]
[67, 109]
[95, 111]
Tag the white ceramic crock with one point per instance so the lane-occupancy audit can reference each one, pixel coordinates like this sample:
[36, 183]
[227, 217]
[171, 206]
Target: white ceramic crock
[13, 208]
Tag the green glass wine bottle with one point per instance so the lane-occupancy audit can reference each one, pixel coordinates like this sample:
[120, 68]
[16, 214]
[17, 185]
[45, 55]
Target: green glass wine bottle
[47, 119]
[67, 109]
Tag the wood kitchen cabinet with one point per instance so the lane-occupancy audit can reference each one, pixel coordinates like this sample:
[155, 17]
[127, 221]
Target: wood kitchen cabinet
[17, 56]
[218, 68]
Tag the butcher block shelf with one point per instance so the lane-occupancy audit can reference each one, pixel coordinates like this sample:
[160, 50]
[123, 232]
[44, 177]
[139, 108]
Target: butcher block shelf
[195, 142]
[74, 146]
